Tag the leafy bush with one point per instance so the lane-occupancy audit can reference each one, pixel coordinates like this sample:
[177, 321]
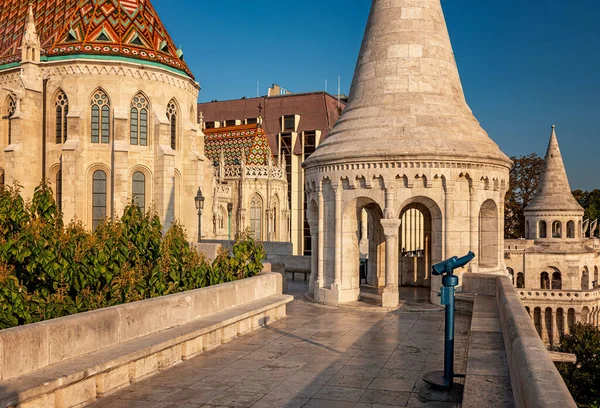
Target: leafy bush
[48, 270]
[582, 378]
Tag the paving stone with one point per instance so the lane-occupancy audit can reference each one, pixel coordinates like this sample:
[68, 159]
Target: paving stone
[340, 393]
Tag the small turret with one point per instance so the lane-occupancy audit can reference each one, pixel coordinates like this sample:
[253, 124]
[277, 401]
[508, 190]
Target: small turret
[31, 46]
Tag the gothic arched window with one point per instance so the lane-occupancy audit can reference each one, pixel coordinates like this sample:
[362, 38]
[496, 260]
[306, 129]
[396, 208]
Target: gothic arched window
[256, 217]
[172, 116]
[100, 117]
[59, 190]
[98, 198]
[62, 109]
[138, 188]
[10, 109]
[138, 129]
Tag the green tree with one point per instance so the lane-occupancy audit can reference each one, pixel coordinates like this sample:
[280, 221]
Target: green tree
[524, 179]
[590, 201]
[582, 378]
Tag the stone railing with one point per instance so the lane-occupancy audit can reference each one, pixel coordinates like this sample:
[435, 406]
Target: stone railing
[559, 295]
[262, 172]
[534, 379]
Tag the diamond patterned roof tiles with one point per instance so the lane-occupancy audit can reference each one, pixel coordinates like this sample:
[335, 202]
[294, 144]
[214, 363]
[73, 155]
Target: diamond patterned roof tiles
[124, 28]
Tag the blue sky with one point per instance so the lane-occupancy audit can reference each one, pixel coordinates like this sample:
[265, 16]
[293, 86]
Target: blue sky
[525, 65]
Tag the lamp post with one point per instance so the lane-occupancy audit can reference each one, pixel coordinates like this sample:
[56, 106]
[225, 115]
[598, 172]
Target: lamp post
[199, 199]
[229, 210]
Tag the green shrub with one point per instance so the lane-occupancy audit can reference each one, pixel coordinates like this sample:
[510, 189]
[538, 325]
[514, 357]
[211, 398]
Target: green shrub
[48, 270]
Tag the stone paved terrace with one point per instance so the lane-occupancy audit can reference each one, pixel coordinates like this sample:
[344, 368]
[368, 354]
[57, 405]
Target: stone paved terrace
[316, 357]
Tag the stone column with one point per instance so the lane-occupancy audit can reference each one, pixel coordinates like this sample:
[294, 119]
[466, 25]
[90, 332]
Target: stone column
[565, 317]
[321, 241]
[474, 233]
[543, 325]
[555, 334]
[448, 216]
[390, 296]
[314, 259]
[337, 282]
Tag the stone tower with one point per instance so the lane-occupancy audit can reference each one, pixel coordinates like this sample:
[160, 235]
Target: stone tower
[407, 151]
[553, 216]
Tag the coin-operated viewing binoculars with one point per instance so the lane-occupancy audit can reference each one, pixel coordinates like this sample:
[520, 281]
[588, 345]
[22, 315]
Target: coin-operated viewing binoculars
[445, 379]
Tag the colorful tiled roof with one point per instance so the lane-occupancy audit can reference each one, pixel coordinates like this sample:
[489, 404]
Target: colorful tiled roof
[234, 142]
[123, 28]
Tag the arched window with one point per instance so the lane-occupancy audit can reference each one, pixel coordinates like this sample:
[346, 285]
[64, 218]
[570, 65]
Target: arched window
[98, 198]
[570, 229]
[59, 190]
[585, 279]
[544, 281]
[62, 109]
[520, 280]
[556, 229]
[488, 234]
[221, 217]
[556, 280]
[10, 109]
[100, 117]
[138, 188]
[1, 179]
[172, 116]
[511, 275]
[138, 127]
[256, 217]
[596, 283]
[543, 230]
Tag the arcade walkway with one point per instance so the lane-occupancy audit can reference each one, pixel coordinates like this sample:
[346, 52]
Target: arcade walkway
[316, 357]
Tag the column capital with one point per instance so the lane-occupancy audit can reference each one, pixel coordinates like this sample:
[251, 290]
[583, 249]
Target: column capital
[391, 227]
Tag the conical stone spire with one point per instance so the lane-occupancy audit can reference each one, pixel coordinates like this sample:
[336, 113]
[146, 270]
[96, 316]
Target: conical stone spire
[406, 101]
[554, 191]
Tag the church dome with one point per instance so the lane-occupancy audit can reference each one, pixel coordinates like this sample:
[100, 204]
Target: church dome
[94, 29]
[406, 101]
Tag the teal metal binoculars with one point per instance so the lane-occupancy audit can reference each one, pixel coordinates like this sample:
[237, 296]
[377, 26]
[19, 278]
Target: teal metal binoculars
[445, 379]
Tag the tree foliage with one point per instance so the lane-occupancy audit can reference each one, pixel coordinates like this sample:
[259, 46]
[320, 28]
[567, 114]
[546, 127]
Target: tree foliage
[582, 378]
[49, 270]
[524, 179]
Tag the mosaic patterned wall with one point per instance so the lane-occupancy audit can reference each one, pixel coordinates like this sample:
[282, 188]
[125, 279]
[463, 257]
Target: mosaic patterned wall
[128, 28]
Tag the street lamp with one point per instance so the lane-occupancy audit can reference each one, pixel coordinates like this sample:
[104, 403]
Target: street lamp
[229, 210]
[199, 199]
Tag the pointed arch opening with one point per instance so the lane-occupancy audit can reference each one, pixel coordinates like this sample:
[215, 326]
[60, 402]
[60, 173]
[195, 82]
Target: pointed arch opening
[10, 107]
[138, 120]
[99, 195]
[61, 104]
[138, 189]
[172, 115]
[100, 106]
[256, 210]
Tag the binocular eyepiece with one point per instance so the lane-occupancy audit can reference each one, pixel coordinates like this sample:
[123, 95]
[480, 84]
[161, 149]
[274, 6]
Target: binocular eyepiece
[448, 266]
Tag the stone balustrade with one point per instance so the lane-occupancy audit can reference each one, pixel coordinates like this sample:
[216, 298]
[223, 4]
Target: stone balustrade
[559, 295]
[67, 362]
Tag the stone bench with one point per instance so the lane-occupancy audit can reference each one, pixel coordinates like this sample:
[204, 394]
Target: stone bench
[77, 380]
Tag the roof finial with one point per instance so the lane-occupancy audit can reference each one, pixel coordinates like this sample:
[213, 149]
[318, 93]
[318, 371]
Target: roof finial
[30, 46]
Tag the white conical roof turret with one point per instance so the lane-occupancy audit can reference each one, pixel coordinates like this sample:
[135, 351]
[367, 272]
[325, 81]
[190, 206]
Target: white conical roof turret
[406, 99]
[554, 191]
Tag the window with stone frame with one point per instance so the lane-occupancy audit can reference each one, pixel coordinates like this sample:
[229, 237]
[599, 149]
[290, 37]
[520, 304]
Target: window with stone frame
[99, 195]
[172, 114]
[138, 189]
[10, 109]
[100, 117]
[256, 207]
[543, 229]
[556, 229]
[62, 110]
[138, 120]
[59, 190]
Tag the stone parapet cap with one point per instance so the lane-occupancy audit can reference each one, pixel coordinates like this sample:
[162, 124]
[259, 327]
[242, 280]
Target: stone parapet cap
[556, 295]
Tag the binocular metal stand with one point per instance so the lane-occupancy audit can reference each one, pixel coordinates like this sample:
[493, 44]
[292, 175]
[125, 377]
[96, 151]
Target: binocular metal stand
[445, 379]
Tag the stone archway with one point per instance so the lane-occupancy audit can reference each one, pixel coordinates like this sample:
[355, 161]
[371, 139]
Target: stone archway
[420, 241]
[355, 213]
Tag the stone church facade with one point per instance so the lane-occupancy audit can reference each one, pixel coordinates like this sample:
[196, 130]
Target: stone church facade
[555, 267]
